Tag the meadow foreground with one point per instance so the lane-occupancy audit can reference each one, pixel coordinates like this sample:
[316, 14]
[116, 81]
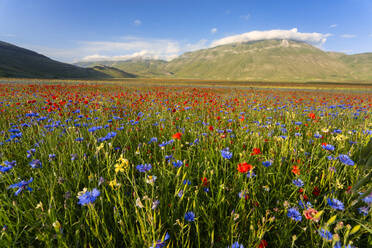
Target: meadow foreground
[95, 165]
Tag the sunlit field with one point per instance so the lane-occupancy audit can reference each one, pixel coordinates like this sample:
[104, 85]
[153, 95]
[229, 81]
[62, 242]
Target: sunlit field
[107, 165]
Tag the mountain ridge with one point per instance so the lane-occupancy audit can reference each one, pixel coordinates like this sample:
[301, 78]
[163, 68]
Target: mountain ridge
[16, 61]
[272, 60]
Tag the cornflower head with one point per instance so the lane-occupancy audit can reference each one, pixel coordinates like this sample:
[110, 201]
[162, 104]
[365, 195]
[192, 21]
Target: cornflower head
[325, 234]
[88, 197]
[190, 216]
[335, 204]
[161, 242]
[345, 159]
[226, 154]
[143, 167]
[177, 163]
[21, 186]
[298, 182]
[7, 166]
[294, 214]
[236, 245]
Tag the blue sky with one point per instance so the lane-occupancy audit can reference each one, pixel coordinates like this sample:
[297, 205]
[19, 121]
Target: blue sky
[77, 30]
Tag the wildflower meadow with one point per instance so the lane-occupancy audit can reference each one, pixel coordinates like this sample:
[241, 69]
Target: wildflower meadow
[109, 165]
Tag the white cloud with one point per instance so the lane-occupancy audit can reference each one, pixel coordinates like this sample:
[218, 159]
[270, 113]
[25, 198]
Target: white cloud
[137, 22]
[348, 36]
[333, 25]
[214, 30]
[246, 17]
[292, 34]
[140, 54]
[130, 47]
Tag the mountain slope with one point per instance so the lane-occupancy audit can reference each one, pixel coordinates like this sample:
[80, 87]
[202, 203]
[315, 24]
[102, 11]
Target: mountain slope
[140, 67]
[19, 62]
[360, 64]
[270, 60]
[262, 60]
[113, 72]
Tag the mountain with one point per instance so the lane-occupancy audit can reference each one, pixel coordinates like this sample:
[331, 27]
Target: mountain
[278, 60]
[113, 72]
[266, 60]
[19, 62]
[137, 66]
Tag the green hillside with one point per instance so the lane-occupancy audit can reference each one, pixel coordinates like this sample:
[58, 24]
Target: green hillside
[269, 60]
[262, 60]
[19, 62]
[113, 72]
[140, 67]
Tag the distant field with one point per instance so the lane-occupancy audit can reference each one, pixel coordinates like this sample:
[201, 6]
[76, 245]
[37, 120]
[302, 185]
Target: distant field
[206, 83]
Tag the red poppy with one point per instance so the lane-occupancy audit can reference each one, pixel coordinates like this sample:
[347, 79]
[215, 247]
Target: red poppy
[177, 136]
[316, 191]
[210, 128]
[244, 167]
[295, 170]
[204, 181]
[263, 244]
[256, 151]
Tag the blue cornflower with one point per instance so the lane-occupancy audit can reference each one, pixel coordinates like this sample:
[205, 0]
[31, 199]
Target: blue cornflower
[325, 234]
[177, 163]
[345, 159]
[74, 156]
[153, 139]
[143, 167]
[30, 152]
[11, 163]
[336, 204]
[187, 181]
[51, 156]
[363, 210]
[267, 163]
[89, 197]
[236, 245]
[308, 204]
[14, 130]
[180, 193]
[79, 139]
[161, 243]
[294, 214]
[338, 245]
[298, 182]
[190, 216]
[368, 199]
[7, 166]
[36, 163]
[226, 153]
[328, 147]
[21, 186]
[93, 129]
[250, 174]
[330, 157]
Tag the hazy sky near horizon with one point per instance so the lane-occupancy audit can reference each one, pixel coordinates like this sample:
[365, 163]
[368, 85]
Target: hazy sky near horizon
[76, 30]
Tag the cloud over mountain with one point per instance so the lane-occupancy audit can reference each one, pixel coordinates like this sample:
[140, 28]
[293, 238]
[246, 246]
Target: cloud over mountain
[292, 34]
